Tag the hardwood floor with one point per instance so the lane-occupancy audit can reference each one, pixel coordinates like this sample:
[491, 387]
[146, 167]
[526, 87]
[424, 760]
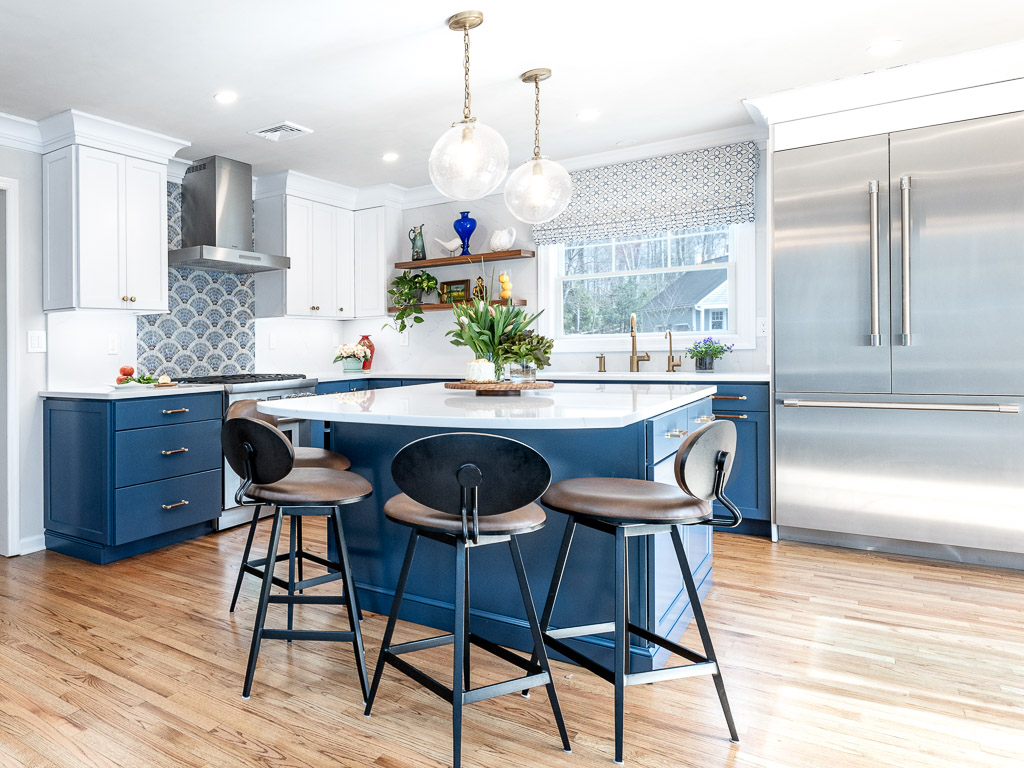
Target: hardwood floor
[832, 658]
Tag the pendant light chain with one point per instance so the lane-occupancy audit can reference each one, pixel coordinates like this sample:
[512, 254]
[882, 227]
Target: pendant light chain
[465, 64]
[536, 119]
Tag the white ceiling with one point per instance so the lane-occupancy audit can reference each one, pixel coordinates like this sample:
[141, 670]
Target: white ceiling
[370, 77]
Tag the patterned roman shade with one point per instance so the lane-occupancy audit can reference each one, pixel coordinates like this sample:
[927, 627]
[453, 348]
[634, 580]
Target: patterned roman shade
[706, 187]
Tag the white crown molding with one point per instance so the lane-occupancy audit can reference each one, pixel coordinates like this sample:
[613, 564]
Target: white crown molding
[74, 127]
[176, 167]
[19, 133]
[381, 194]
[307, 187]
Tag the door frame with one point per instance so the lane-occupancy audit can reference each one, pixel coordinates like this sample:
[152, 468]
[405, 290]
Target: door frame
[12, 526]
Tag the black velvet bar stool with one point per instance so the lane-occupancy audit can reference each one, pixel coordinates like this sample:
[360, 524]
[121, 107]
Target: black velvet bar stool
[468, 490]
[263, 456]
[627, 508]
[304, 457]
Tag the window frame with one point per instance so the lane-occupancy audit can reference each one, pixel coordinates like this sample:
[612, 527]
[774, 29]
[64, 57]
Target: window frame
[741, 295]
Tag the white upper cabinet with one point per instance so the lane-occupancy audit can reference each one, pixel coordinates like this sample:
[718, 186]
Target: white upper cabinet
[104, 231]
[317, 238]
[378, 241]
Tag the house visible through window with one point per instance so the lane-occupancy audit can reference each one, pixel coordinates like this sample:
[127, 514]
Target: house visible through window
[673, 281]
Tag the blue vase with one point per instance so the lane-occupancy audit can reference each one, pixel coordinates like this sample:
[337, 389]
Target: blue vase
[464, 228]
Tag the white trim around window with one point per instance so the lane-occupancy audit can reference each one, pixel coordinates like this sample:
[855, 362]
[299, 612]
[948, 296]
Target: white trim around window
[741, 281]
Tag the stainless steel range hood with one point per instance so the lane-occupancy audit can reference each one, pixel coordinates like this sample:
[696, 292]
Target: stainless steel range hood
[216, 220]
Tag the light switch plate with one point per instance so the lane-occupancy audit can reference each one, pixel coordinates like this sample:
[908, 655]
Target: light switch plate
[113, 346]
[403, 339]
[37, 341]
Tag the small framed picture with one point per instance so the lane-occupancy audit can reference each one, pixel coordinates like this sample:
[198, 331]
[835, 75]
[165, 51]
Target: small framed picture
[454, 291]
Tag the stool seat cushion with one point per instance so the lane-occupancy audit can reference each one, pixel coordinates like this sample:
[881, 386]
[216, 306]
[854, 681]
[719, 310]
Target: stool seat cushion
[319, 457]
[625, 500]
[312, 486]
[402, 509]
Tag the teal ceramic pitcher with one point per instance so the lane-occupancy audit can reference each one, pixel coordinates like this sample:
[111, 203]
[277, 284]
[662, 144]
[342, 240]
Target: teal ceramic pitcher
[416, 238]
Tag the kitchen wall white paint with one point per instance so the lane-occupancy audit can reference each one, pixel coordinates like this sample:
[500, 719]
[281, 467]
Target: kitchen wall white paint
[4, 506]
[27, 168]
[79, 345]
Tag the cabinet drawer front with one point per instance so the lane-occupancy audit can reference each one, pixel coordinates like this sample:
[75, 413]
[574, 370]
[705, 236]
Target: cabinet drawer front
[144, 455]
[172, 409]
[666, 432]
[333, 387]
[727, 398]
[141, 511]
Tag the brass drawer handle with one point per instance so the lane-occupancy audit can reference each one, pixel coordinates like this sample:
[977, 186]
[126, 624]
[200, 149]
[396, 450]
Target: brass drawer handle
[182, 503]
[132, 298]
[677, 433]
[177, 410]
[176, 450]
[704, 419]
[728, 397]
[730, 416]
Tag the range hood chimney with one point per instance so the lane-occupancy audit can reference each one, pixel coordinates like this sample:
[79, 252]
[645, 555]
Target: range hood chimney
[216, 220]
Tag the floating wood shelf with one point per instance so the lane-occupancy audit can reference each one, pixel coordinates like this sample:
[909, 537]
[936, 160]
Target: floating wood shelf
[443, 307]
[476, 258]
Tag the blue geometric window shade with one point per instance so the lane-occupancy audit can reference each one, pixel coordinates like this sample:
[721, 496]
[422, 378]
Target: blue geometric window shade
[706, 187]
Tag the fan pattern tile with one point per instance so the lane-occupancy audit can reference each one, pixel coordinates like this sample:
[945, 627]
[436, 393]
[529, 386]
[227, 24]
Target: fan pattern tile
[210, 327]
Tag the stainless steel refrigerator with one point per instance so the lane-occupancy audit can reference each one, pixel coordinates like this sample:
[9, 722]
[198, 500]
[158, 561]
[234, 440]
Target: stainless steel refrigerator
[899, 341]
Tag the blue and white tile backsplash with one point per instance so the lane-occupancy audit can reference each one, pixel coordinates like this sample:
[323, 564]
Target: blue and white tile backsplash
[210, 327]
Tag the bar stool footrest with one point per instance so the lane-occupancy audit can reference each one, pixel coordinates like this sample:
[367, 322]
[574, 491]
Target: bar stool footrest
[307, 634]
[307, 599]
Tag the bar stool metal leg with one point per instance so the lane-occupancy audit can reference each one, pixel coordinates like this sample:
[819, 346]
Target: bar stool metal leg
[621, 636]
[556, 583]
[389, 631]
[458, 686]
[261, 611]
[466, 644]
[540, 654]
[245, 556]
[298, 544]
[291, 567]
[351, 603]
[702, 627]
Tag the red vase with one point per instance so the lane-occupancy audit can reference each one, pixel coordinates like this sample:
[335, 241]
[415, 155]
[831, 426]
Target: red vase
[365, 341]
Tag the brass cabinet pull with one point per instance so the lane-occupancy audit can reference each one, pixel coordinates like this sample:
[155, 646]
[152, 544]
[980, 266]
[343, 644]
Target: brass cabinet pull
[677, 433]
[177, 410]
[341, 309]
[728, 397]
[730, 416]
[704, 419]
[132, 298]
[124, 298]
[176, 450]
[182, 503]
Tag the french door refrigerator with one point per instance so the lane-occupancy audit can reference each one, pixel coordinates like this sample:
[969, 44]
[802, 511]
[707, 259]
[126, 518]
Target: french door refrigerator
[899, 341]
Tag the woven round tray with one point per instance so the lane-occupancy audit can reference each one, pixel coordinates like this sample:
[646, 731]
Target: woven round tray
[498, 388]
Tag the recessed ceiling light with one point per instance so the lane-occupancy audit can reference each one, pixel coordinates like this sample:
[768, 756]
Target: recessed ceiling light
[588, 114]
[389, 157]
[885, 47]
[225, 97]
[625, 143]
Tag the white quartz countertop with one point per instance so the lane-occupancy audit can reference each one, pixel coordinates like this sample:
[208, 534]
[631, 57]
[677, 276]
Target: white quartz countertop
[683, 377]
[566, 406]
[121, 393]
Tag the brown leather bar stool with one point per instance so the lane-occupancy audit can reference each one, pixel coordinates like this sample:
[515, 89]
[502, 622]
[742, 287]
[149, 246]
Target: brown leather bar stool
[265, 459]
[304, 457]
[468, 490]
[627, 508]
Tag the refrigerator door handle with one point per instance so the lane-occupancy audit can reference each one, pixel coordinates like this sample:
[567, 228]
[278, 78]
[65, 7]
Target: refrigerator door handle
[905, 260]
[896, 406]
[876, 336]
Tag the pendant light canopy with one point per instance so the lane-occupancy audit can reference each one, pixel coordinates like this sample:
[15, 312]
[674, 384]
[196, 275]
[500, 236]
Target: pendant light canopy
[539, 189]
[470, 159]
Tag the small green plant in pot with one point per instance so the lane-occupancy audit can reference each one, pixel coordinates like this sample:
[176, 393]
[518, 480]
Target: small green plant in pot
[407, 292]
[526, 352]
[706, 351]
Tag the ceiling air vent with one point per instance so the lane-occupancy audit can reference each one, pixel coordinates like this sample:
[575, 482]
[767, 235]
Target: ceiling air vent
[281, 131]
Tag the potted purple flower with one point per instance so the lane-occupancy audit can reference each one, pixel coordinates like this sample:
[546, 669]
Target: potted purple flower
[706, 351]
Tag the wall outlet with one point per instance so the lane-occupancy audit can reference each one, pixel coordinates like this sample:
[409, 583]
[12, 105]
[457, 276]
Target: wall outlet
[403, 339]
[113, 345]
[37, 341]
[762, 326]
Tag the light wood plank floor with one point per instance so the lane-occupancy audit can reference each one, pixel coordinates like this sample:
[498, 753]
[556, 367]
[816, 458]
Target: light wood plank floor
[832, 658]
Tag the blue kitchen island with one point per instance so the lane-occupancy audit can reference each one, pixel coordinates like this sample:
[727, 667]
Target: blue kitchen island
[583, 430]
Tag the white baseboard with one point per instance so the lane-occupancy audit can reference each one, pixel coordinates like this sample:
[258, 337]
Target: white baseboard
[32, 544]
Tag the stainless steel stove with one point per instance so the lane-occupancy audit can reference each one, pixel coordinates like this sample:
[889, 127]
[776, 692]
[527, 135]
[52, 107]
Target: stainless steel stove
[257, 386]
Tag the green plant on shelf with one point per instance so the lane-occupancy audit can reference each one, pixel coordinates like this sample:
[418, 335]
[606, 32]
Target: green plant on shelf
[407, 292]
[528, 347]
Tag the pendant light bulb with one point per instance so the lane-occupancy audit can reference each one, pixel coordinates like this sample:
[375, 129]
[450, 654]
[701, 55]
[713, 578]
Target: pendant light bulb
[470, 159]
[539, 189]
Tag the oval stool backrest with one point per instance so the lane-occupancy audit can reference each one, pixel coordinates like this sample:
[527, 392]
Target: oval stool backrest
[256, 450]
[508, 474]
[697, 458]
[246, 409]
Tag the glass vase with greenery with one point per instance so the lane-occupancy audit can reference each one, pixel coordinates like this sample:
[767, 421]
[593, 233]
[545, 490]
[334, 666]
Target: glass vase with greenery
[407, 292]
[484, 328]
[705, 352]
[526, 352]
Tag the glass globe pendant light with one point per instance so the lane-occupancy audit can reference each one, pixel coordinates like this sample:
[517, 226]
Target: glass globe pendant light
[539, 189]
[470, 159]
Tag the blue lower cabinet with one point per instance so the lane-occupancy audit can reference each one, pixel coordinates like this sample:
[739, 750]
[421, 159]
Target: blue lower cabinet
[749, 486]
[115, 488]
